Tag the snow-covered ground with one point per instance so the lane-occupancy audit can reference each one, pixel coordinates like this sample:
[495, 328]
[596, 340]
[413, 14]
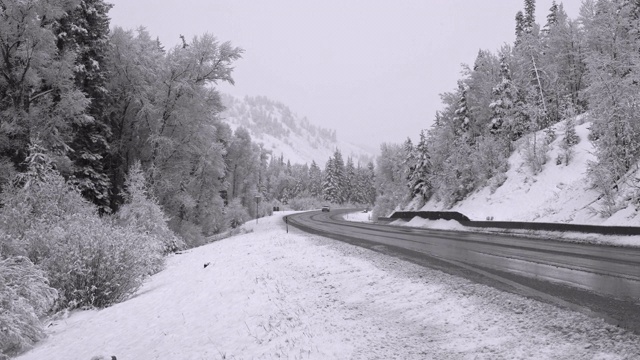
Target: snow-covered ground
[272, 294]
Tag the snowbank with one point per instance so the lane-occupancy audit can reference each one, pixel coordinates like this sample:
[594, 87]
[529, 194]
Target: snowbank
[567, 236]
[358, 216]
[268, 294]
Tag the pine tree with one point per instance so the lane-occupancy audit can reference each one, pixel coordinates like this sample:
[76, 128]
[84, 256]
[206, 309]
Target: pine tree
[504, 95]
[330, 189]
[334, 181]
[529, 16]
[410, 160]
[519, 26]
[462, 116]
[315, 179]
[419, 182]
[481, 80]
[339, 176]
[370, 183]
[552, 18]
[85, 31]
[349, 181]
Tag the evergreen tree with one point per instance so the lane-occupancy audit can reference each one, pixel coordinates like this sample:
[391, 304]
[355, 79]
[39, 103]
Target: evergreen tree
[410, 160]
[519, 26]
[462, 119]
[330, 189]
[529, 16]
[339, 175]
[419, 182]
[369, 183]
[552, 18]
[481, 80]
[350, 182]
[315, 179]
[334, 181]
[505, 96]
[85, 31]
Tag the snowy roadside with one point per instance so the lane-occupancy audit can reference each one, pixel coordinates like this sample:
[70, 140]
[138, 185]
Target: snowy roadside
[617, 240]
[268, 294]
[456, 226]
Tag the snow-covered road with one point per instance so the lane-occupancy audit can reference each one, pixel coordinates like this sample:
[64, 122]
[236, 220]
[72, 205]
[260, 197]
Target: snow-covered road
[269, 294]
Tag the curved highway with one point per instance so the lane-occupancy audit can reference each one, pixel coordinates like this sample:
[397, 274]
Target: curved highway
[594, 279]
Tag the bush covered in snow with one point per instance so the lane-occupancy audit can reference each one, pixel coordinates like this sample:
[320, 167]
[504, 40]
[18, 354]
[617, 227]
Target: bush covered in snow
[24, 296]
[142, 212]
[534, 152]
[93, 262]
[236, 214]
[90, 260]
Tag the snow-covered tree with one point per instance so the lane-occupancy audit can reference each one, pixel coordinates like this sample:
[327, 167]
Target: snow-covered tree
[315, 179]
[84, 30]
[350, 183]
[334, 179]
[39, 100]
[613, 62]
[419, 169]
[462, 116]
[505, 96]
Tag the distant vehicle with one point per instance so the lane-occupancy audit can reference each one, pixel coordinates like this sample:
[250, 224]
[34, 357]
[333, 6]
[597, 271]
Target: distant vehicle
[325, 208]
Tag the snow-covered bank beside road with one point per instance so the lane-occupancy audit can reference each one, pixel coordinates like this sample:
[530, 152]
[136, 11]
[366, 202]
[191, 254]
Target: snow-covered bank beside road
[616, 240]
[269, 294]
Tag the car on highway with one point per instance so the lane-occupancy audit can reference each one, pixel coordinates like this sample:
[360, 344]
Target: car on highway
[325, 208]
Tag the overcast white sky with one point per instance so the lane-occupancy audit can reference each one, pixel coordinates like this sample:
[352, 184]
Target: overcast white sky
[371, 69]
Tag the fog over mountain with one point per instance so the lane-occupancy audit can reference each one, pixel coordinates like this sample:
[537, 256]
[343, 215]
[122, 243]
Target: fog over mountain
[283, 132]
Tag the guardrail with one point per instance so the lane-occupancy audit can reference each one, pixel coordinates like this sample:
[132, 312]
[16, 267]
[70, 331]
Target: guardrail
[518, 225]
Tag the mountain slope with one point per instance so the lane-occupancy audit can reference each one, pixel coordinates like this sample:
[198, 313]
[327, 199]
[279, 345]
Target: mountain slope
[285, 133]
[559, 193]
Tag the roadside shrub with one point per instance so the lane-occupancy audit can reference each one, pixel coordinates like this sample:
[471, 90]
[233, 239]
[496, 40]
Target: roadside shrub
[236, 214]
[24, 296]
[142, 213]
[570, 139]
[604, 180]
[36, 202]
[387, 203]
[497, 181]
[190, 232]
[534, 152]
[96, 263]
[212, 218]
[90, 261]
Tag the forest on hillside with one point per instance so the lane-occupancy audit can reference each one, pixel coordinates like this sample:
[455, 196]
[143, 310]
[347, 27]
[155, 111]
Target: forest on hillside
[113, 154]
[553, 70]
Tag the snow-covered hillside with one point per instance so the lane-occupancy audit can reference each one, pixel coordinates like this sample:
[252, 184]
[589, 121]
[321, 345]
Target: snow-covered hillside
[559, 193]
[283, 132]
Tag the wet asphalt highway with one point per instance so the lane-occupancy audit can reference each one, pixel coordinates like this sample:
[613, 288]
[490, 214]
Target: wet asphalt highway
[598, 280]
